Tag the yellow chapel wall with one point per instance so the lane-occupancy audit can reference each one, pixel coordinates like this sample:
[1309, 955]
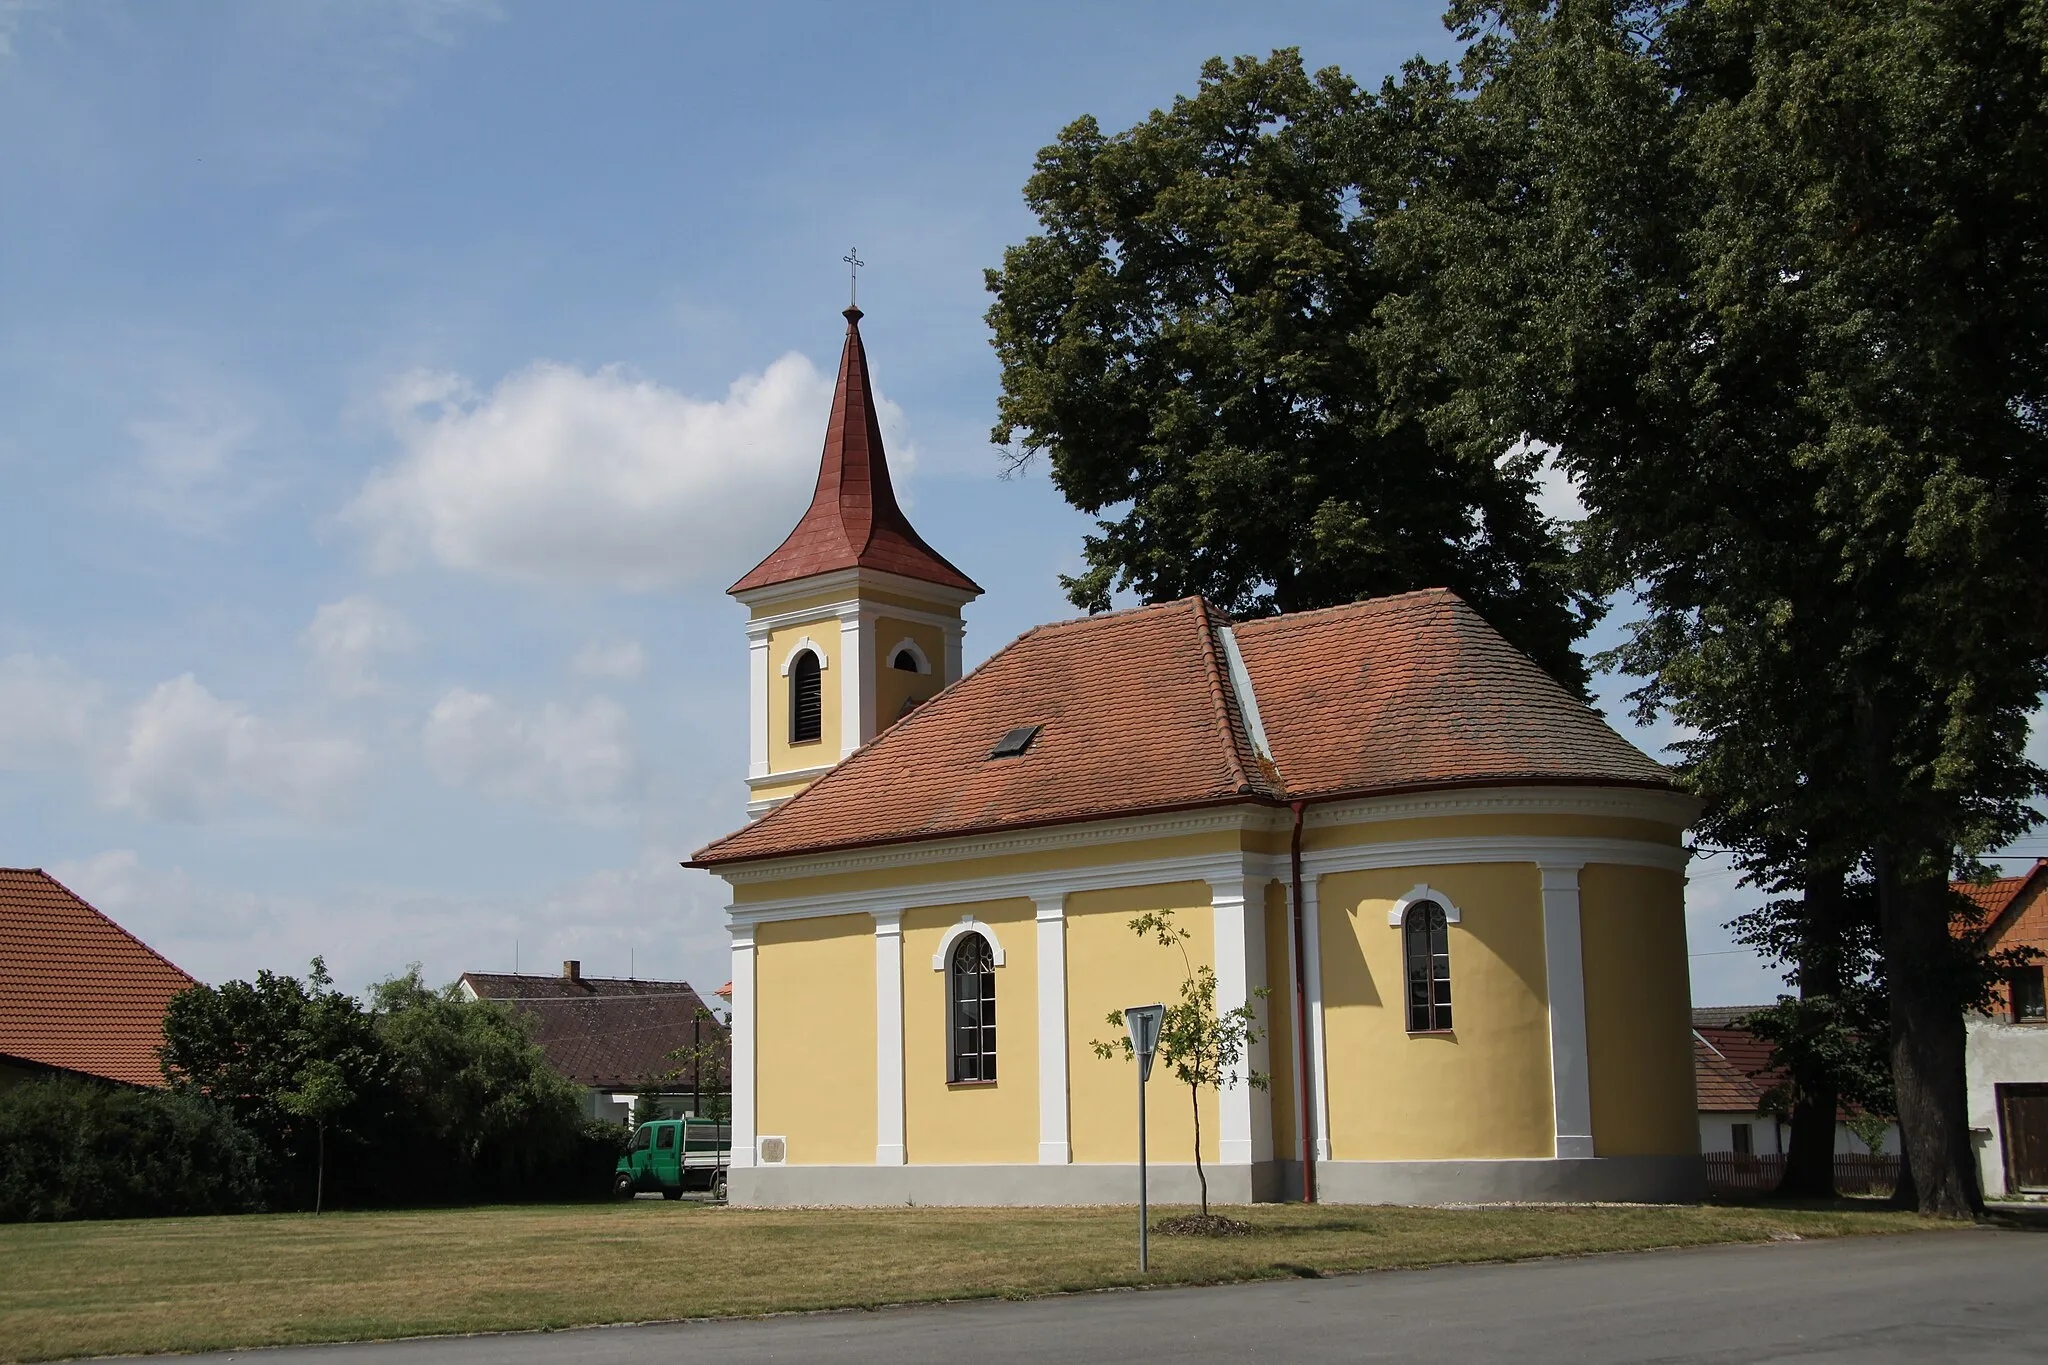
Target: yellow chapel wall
[947, 1124]
[814, 1025]
[892, 685]
[1109, 967]
[1481, 1091]
[1638, 1011]
[1277, 1013]
[782, 755]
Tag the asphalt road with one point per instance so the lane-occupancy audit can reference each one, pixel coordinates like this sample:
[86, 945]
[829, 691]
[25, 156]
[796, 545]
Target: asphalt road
[1979, 1296]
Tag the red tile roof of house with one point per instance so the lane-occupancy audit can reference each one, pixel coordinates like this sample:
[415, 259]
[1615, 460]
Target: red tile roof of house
[1137, 713]
[1722, 1089]
[853, 520]
[604, 1031]
[1993, 900]
[77, 991]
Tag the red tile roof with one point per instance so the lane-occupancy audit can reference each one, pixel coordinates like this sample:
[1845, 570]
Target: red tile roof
[603, 1031]
[1722, 1089]
[1994, 901]
[1138, 714]
[77, 991]
[1416, 691]
[853, 520]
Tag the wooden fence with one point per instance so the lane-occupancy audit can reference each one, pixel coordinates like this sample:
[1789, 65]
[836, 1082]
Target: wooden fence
[1858, 1173]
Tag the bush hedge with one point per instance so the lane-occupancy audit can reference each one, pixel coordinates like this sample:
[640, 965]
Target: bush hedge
[77, 1148]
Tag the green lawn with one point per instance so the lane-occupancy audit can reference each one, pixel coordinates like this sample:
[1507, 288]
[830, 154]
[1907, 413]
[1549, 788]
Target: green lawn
[74, 1289]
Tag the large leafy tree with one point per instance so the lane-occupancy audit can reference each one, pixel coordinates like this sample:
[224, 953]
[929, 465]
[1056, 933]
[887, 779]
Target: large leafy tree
[1196, 343]
[1772, 278]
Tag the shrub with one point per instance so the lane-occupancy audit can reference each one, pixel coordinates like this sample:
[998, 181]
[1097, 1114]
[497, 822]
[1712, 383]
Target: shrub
[78, 1148]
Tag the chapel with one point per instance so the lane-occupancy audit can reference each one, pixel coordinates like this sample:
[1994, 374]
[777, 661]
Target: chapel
[1452, 895]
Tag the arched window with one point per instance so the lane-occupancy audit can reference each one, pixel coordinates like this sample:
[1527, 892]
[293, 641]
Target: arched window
[905, 662]
[1427, 939]
[806, 700]
[971, 986]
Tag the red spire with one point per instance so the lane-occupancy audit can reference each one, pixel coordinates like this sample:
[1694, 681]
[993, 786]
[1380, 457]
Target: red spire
[853, 520]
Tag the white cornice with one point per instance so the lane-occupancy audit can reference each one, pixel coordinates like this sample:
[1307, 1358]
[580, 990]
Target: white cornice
[1538, 849]
[790, 775]
[853, 580]
[1086, 834]
[1215, 867]
[852, 609]
[1015, 886]
[1628, 803]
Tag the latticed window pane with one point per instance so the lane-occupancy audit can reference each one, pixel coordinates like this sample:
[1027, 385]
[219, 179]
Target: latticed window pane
[1426, 939]
[973, 988]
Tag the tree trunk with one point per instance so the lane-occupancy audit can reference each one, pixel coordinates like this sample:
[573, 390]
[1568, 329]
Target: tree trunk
[320, 1173]
[1195, 1098]
[1927, 1038]
[1810, 1157]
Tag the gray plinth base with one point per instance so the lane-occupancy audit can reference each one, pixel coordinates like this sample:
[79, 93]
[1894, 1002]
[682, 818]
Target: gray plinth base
[1617, 1179]
[1650, 1180]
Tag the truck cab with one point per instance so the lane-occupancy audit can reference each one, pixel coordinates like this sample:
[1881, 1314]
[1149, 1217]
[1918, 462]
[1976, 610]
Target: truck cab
[674, 1155]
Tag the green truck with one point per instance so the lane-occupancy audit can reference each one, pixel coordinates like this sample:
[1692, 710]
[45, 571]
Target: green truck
[674, 1155]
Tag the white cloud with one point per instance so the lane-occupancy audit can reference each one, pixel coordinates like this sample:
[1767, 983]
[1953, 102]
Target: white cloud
[190, 756]
[559, 475]
[624, 660]
[196, 466]
[46, 712]
[348, 637]
[579, 758]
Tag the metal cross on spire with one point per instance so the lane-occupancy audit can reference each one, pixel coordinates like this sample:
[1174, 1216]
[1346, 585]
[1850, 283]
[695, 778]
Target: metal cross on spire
[853, 265]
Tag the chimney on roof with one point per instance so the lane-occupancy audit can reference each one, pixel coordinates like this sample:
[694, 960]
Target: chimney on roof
[572, 970]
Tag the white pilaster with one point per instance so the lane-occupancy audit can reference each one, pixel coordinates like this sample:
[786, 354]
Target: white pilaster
[857, 682]
[741, 1033]
[1244, 1126]
[1312, 987]
[889, 1148]
[1053, 1143]
[954, 630]
[757, 704]
[1564, 965]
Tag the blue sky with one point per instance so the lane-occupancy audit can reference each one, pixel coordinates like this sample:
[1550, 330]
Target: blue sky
[391, 389]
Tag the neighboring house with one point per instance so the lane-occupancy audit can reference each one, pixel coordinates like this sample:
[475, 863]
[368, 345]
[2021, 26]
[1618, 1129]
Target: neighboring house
[2007, 1049]
[78, 993]
[1487, 997]
[613, 1037]
[1731, 1071]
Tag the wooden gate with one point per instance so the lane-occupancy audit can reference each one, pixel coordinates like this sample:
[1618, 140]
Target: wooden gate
[2023, 1115]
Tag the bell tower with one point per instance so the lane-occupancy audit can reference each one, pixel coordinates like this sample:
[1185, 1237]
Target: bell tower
[853, 620]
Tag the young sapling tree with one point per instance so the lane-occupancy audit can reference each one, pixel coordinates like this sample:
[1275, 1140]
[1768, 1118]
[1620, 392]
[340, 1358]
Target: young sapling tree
[1202, 1047]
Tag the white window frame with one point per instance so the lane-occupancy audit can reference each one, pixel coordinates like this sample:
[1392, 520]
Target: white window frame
[910, 646]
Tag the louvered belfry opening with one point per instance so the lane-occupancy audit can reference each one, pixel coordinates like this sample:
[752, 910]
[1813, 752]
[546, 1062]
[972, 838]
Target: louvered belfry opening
[806, 700]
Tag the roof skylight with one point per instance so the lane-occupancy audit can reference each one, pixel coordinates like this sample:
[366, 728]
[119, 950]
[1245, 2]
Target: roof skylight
[1015, 742]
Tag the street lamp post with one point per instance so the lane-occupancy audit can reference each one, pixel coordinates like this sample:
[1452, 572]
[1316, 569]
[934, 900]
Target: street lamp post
[1143, 1022]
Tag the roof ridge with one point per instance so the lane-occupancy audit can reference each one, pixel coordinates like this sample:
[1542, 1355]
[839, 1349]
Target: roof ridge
[1309, 613]
[1218, 694]
[107, 920]
[1093, 617]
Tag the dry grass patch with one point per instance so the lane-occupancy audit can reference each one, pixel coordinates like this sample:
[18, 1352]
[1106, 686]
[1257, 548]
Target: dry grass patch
[189, 1284]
